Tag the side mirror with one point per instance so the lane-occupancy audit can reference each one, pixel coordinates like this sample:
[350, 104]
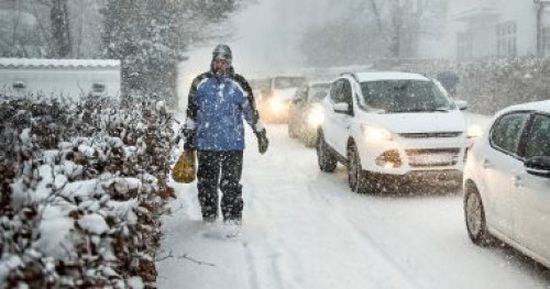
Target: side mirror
[538, 166]
[462, 104]
[341, 107]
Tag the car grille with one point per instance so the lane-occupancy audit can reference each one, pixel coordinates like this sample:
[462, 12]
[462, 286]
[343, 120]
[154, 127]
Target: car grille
[431, 134]
[432, 157]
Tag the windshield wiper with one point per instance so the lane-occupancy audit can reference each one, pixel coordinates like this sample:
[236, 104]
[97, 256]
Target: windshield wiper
[439, 109]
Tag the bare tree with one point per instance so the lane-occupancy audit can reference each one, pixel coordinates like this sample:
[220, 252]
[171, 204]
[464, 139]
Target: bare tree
[374, 29]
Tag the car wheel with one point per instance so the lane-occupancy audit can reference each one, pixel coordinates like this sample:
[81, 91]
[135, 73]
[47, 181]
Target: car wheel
[475, 218]
[356, 176]
[310, 140]
[291, 130]
[327, 162]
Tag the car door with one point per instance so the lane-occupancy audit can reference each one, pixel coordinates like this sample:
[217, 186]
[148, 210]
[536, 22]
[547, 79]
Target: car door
[532, 193]
[331, 123]
[499, 164]
[297, 104]
[344, 119]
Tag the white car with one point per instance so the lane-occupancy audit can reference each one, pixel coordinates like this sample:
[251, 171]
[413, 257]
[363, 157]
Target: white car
[390, 123]
[507, 181]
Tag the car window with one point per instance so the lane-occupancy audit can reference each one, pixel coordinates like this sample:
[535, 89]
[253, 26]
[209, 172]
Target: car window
[335, 90]
[284, 82]
[404, 96]
[538, 139]
[317, 92]
[506, 132]
[346, 92]
[301, 93]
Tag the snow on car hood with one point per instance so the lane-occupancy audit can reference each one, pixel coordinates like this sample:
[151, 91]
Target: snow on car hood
[420, 122]
[285, 94]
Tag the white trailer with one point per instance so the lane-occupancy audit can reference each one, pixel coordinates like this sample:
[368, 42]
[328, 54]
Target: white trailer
[68, 78]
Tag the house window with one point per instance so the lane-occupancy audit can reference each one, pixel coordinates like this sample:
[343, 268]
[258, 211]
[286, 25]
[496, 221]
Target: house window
[464, 45]
[98, 87]
[506, 39]
[19, 85]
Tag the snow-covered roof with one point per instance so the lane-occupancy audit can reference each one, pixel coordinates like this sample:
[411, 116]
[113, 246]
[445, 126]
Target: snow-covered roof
[390, 75]
[542, 106]
[58, 63]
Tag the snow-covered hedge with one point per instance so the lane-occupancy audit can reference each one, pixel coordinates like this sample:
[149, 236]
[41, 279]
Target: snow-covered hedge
[83, 188]
[491, 84]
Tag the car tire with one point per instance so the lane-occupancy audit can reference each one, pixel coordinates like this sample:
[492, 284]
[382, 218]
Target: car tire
[327, 161]
[357, 178]
[474, 213]
[310, 140]
[292, 130]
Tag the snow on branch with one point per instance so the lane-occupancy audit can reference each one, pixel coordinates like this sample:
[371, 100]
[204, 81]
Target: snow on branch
[83, 189]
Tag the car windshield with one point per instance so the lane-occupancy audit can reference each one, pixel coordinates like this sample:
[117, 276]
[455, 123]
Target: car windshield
[318, 91]
[259, 84]
[288, 82]
[394, 96]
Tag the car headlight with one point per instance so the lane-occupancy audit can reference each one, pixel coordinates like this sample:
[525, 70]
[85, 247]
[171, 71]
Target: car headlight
[276, 105]
[376, 133]
[474, 131]
[315, 116]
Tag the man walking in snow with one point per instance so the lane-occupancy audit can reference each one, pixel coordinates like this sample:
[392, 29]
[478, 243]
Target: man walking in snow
[218, 100]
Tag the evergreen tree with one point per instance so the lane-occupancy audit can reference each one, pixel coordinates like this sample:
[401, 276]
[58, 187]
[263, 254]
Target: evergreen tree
[149, 37]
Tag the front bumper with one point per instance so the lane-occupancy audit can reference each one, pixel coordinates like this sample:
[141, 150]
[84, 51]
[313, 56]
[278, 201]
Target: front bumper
[406, 156]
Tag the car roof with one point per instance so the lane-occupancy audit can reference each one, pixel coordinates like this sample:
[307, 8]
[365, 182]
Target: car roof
[389, 75]
[542, 106]
[318, 82]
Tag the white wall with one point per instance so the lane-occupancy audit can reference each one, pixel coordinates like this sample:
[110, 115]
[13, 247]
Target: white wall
[60, 81]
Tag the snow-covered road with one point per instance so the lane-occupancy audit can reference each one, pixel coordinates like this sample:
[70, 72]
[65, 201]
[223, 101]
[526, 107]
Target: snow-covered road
[306, 229]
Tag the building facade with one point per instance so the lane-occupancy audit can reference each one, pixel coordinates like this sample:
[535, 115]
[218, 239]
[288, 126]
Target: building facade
[498, 28]
[65, 78]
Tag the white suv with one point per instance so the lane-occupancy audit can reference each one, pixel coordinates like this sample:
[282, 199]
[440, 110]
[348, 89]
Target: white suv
[390, 123]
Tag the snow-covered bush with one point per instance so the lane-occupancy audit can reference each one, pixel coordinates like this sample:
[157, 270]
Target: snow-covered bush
[491, 84]
[82, 192]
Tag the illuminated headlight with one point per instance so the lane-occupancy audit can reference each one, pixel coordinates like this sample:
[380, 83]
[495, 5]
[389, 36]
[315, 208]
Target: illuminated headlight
[276, 105]
[376, 133]
[474, 131]
[315, 116]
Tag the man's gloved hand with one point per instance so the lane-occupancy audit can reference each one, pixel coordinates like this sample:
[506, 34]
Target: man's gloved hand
[189, 140]
[188, 145]
[263, 142]
[176, 140]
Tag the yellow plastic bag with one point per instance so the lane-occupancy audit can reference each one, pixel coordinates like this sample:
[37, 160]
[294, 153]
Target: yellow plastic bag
[184, 170]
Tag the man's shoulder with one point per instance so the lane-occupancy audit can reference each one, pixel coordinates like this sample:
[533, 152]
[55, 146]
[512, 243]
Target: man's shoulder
[241, 81]
[201, 77]
[239, 78]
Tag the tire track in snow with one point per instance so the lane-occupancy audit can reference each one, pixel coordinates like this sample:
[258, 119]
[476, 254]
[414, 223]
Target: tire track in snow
[302, 176]
[264, 258]
[428, 241]
[315, 186]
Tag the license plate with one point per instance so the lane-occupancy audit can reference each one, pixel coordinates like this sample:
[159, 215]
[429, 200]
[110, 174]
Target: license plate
[431, 159]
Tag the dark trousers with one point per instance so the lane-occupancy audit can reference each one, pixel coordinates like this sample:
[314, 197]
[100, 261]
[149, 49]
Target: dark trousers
[220, 169]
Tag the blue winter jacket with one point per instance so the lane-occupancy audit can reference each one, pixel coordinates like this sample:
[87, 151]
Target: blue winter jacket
[215, 110]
